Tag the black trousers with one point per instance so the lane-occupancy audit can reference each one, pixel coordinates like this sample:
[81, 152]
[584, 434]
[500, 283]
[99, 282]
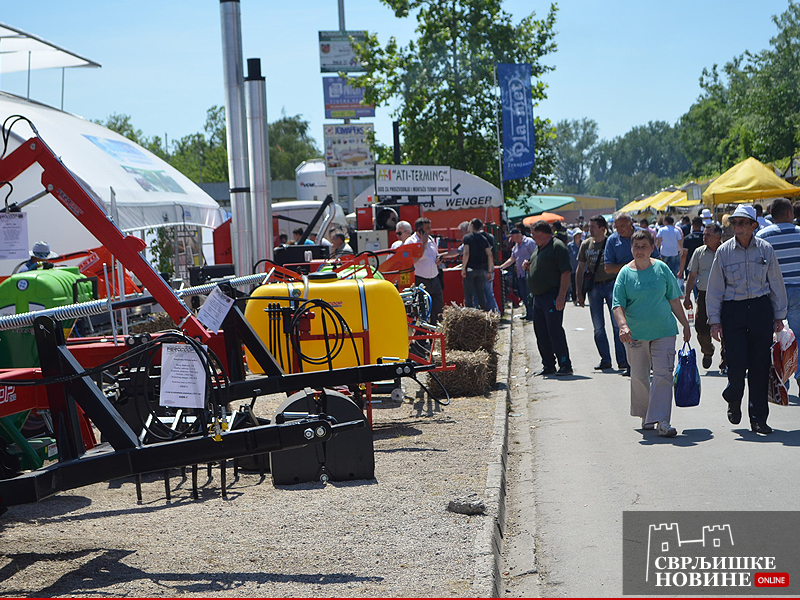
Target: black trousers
[747, 326]
[549, 329]
[434, 287]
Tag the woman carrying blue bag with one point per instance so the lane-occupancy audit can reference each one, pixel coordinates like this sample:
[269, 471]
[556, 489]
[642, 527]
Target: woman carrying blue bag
[646, 296]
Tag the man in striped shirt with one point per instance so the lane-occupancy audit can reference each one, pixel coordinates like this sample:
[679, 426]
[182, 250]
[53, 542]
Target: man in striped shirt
[784, 236]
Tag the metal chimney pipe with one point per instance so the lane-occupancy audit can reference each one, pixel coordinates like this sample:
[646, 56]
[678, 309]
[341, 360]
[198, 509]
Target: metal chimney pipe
[241, 241]
[255, 87]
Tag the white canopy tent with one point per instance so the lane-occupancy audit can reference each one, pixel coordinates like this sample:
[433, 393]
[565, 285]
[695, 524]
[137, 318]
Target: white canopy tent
[23, 51]
[149, 192]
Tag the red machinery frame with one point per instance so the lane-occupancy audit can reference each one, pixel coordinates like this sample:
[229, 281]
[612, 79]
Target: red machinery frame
[62, 184]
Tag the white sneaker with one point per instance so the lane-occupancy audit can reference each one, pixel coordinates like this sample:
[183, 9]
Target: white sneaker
[666, 430]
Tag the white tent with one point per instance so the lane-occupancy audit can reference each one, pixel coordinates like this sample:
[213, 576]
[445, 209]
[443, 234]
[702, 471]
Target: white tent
[23, 51]
[149, 192]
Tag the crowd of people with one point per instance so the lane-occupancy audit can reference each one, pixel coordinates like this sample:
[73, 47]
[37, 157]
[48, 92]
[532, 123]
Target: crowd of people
[742, 274]
[743, 282]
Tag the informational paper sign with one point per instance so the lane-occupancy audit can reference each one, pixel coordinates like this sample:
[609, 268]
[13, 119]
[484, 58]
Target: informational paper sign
[415, 180]
[14, 236]
[215, 309]
[347, 150]
[183, 378]
[343, 101]
[336, 53]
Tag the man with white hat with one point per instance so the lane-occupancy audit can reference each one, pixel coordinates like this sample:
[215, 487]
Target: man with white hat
[707, 217]
[39, 255]
[746, 302]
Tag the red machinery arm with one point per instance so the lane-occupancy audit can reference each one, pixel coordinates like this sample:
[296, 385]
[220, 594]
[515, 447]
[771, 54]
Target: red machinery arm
[60, 182]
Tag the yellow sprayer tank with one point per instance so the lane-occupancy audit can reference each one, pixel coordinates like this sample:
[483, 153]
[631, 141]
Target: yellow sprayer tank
[367, 305]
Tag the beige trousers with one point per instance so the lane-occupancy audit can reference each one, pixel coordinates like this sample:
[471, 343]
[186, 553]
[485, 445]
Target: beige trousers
[651, 400]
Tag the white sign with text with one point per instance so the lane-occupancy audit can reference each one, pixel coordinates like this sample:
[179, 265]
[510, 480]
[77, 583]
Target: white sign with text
[183, 378]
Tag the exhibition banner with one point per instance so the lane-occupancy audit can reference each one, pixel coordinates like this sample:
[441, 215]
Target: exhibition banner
[413, 180]
[518, 130]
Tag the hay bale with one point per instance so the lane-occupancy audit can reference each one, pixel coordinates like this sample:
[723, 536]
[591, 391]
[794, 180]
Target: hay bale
[469, 329]
[155, 322]
[493, 360]
[471, 377]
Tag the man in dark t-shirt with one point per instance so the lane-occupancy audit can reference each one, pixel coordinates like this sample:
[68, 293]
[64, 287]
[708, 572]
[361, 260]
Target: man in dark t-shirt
[477, 265]
[548, 280]
[691, 243]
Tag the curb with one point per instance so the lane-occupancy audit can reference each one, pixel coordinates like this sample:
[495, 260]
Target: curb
[489, 541]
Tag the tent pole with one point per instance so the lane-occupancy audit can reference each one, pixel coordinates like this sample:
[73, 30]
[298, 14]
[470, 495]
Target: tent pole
[63, 70]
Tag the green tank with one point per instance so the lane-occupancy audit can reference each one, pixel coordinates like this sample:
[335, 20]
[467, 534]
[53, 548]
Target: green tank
[36, 290]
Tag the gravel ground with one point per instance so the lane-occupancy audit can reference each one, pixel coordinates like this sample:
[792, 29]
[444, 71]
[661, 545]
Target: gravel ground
[390, 536]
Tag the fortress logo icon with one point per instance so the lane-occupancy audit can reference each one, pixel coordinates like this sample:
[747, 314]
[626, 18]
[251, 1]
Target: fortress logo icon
[665, 540]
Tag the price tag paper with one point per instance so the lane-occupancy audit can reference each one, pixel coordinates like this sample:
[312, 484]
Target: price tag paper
[14, 236]
[214, 310]
[183, 378]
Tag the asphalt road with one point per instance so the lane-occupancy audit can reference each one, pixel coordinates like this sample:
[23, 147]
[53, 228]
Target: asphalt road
[591, 462]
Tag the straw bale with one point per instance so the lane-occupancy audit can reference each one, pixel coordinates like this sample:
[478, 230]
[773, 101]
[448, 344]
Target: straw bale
[469, 329]
[472, 376]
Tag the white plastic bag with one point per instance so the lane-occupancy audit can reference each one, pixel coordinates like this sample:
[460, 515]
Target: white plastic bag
[784, 354]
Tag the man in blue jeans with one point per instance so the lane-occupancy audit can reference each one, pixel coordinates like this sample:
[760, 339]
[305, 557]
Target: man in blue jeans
[477, 266]
[784, 236]
[601, 294]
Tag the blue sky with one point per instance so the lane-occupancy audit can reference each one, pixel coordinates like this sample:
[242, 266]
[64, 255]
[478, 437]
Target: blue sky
[619, 62]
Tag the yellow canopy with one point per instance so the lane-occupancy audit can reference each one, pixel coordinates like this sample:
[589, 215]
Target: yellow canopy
[649, 202]
[669, 200]
[685, 203]
[747, 181]
[633, 206]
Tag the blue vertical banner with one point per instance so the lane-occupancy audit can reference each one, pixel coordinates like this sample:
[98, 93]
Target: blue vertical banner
[518, 131]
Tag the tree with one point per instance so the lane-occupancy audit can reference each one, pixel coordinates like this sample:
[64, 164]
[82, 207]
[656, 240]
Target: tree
[576, 147]
[444, 81]
[752, 108]
[289, 145]
[644, 160]
[203, 157]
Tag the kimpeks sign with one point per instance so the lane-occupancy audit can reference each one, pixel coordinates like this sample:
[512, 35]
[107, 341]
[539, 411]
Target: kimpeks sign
[715, 553]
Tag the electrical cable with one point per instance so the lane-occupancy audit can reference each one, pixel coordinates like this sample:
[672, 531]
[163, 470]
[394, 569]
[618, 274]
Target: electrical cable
[442, 401]
[215, 386]
[7, 129]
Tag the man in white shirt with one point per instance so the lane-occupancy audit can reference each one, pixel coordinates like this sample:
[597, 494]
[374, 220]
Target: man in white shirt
[669, 241]
[426, 267]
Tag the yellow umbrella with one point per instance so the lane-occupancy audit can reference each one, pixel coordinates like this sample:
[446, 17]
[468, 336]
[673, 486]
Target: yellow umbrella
[747, 181]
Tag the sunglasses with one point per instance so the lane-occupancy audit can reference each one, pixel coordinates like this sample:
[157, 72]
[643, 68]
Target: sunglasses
[738, 222]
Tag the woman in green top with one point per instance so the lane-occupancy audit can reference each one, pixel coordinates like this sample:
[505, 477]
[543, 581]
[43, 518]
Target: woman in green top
[646, 296]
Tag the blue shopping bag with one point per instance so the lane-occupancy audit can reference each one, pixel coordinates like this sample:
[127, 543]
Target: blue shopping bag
[687, 378]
